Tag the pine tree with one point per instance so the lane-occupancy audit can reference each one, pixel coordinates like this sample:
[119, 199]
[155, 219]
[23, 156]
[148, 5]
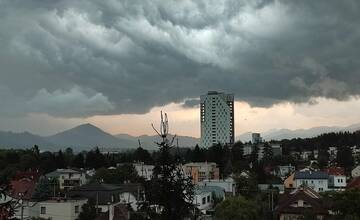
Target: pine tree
[169, 188]
[267, 153]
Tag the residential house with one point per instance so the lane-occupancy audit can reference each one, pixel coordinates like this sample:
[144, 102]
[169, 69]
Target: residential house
[283, 171]
[201, 171]
[337, 177]
[103, 195]
[356, 171]
[289, 182]
[317, 180]
[59, 208]
[228, 185]
[293, 205]
[106, 196]
[68, 178]
[143, 170]
[203, 199]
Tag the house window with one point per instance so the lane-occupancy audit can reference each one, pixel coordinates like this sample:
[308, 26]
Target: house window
[208, 199]
[204, 200]
[76, 209]
[321, 189]
[43, 210]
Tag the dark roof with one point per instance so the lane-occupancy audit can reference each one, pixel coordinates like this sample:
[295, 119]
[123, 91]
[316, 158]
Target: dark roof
[354, 183]
[310, 175]
[317, 203]
[97, 187]
[58, 172]
[335, 171]
[104, 193]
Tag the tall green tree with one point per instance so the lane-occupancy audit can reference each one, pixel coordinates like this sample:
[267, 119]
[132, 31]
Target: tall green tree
[169, 188]
[267, 153]
[344, 158]
[237, 208]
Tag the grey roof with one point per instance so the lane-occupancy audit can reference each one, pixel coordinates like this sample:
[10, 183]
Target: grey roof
[98, 187]
[218, 191]
[310, 175]
[58, 172]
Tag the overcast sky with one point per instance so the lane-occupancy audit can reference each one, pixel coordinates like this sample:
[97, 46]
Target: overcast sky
[117, 63]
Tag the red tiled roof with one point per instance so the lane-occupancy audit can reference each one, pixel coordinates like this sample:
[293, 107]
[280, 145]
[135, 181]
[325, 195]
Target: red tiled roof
[23, 188]
[354, 183]
[335, 171]
[29, 174]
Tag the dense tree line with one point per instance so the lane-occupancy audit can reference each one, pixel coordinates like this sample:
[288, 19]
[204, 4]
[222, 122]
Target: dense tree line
[323, 141]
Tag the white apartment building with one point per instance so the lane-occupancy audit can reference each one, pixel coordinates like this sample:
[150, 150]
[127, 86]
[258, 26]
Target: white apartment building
[68, 178]
[143, 170]
[317, 180]
[217, 118]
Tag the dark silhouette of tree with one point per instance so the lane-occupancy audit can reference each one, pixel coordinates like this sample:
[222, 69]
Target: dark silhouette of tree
[59, 160]
[169, 188]
[142, 155]
[237, 208]
[78, 161]
[44, 189]
[323, 158]
[267, 153]
[198, 154]
[344, 158]
[88, 211]
[95, 159]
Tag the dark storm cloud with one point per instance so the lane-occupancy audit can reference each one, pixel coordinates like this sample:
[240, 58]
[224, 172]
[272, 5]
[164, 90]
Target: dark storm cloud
[82, 58]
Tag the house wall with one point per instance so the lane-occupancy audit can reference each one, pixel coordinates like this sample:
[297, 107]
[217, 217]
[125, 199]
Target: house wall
[199, 201]
[62, 210]
[228, 185]
[319, 185]
[80, 177]
[337, 181]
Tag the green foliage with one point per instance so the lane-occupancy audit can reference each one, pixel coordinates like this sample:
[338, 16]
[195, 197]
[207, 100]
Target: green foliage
[44, 189]
[268, 153]
[88, 211]
[344, 157]
[143, 155]
[237, 208]
[123, 173]
[346, 204]
[95, 159]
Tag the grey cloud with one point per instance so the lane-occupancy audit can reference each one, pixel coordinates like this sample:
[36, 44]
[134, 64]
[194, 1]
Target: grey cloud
[131, 55]
[191, 103]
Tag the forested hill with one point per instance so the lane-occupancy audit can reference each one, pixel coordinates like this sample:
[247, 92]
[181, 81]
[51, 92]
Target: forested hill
[323, 141]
